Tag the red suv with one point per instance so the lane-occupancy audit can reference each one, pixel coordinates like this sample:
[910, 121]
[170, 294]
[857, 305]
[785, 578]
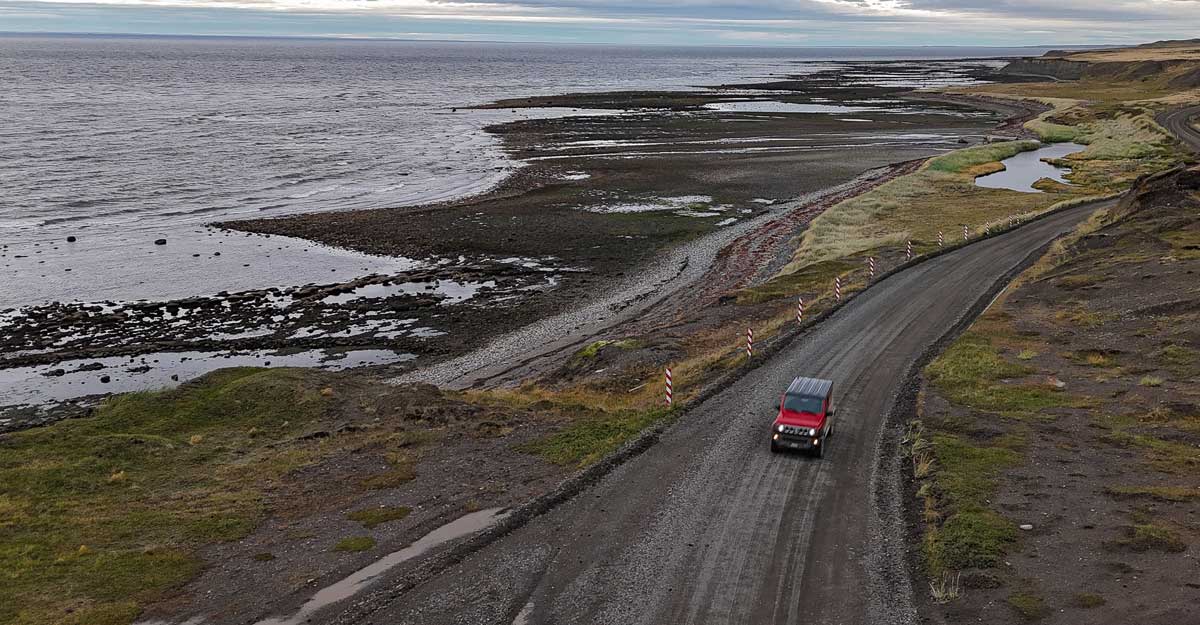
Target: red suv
[805, 418]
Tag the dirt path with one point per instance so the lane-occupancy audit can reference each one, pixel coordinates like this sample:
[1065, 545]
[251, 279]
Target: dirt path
[708, 526]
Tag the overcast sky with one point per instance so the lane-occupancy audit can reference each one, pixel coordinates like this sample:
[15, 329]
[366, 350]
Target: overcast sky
[701, 22]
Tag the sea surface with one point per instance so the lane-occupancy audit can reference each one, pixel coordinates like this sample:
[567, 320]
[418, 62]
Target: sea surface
[119, 141]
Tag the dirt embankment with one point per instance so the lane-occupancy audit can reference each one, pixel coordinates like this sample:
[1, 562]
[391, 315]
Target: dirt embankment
[1057, 455]
[1176, 73]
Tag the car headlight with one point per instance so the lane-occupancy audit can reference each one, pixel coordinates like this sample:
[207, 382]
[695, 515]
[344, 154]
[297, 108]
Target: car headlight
[781, 428]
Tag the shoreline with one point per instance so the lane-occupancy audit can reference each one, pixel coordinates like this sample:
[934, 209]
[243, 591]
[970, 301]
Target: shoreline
[569, 279]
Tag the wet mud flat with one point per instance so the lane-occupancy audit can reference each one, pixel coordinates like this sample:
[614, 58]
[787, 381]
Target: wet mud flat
[610, 195]
[599, 199]
[58, 358]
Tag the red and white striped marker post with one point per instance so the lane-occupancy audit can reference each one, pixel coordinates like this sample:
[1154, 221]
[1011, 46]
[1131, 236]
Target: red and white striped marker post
[966, 235]
[871, 267]
[800, 310]
[749, 342]
[908, 251]
[987, 228]
[670, 388]
[837, 288]
[941, 239]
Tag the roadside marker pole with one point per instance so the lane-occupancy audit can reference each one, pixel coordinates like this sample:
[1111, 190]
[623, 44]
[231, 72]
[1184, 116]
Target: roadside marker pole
[800, 310]
[908, 251]
[837, 288]
[987, 228]
[749, 342]
[941, 239]
[871, 266]
[965, 235]
[670, 390]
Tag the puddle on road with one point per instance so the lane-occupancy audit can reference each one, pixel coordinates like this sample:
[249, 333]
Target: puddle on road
[1025, 169]
[355, 583]
[32, 385]
[524, 615]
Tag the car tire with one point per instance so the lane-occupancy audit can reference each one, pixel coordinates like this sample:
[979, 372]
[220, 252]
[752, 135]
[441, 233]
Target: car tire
[820, 450]
[774, 448]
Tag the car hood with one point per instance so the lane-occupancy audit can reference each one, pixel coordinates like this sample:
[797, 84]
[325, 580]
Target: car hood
[799, 419]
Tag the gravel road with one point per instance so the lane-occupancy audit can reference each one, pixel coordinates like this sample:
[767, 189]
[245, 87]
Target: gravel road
[1178, 122]
[708, 527]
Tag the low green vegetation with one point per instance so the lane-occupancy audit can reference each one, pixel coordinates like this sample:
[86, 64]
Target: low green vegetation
[1087, 600]
[590, 438]
[1149, 537]
[1158, 493]
[1030, 606]
[972, 373]
[971, 535]
[104, 514]
[960, 161]
[355, 544]
[371, 517]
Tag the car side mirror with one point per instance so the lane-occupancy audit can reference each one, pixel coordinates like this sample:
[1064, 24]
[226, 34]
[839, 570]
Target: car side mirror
[832, 411]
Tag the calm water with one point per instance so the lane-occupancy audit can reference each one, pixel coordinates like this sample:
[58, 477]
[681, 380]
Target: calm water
[1023, 170]
[121, 140]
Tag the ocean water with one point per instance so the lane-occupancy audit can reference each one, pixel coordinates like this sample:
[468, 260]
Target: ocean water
[121, 140]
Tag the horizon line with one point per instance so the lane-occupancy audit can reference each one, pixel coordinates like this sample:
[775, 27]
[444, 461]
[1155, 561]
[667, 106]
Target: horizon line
[567, 43]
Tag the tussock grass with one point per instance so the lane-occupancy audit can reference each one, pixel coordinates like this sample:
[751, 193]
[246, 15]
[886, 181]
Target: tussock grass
[1150, 380]
[959, 161]
[946, 588]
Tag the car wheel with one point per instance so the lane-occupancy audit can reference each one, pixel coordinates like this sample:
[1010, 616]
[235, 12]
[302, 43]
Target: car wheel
[820, 451]
[774, 448]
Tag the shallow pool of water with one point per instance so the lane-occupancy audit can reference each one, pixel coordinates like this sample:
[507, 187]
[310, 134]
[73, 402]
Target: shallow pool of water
[32, 385]
[1023, 170]
[773, 106]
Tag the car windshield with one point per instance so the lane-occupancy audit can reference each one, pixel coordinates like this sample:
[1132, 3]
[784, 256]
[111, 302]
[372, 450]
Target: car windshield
[800, 403]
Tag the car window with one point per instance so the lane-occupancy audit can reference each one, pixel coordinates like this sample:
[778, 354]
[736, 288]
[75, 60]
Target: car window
[800, 403]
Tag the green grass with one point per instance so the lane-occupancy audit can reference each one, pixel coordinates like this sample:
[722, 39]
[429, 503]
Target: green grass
[1087, 600]
[355, 544]
[590, 438]
[1151, 380]
[1029, 606]
[371, 517]
[1148, 537]
[1157, 493]
[970, 371]
[961, 160]
[972, 536]
[105, 514]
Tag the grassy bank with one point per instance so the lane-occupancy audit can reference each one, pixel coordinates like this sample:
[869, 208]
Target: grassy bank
[104, 515]
[1055, 454]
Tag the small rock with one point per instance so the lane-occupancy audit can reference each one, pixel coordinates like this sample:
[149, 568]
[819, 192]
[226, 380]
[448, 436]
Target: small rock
[105, 379]
[71, 239]
[1027, 527]
[160, 241]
